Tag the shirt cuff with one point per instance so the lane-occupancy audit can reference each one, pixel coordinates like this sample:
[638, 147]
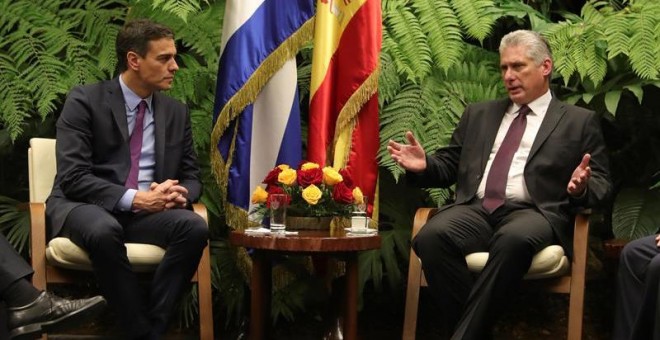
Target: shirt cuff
[126, 201]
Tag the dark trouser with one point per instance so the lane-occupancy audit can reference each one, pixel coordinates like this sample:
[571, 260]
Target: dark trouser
[638, 283]
[512, 235]
[12, 265]
[181, 232]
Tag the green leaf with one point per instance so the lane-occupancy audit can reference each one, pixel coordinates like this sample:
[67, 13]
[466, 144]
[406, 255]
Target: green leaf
[637, 90]
[612, 100]
[635, 213]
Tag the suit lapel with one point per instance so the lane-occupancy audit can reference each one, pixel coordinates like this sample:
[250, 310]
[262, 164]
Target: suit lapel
[553, 115]
[160, 123]
[492, 121]
[118, 107]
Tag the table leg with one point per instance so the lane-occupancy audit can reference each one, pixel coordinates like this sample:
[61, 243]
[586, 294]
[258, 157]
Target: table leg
[261, 295]
[350, 305]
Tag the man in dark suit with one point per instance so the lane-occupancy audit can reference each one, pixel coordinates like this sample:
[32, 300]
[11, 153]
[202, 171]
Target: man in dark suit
[511, 203]
[127, 172]
[31, 312]
[638, 291]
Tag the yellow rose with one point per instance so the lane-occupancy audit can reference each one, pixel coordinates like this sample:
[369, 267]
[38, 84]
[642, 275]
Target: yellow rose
[331, 176]
[309, 165]
[358, 196]
[259, 195]
[283, 166]
[287, 176]
[312, 194]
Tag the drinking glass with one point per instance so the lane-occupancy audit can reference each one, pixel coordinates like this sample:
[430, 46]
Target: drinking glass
[278, 205]
[359, 218]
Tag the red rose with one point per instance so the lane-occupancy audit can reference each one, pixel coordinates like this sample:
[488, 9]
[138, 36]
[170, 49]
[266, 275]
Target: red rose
[341, 193]
[271, 178]
[310, 176]
[274, 189]
[346, 175]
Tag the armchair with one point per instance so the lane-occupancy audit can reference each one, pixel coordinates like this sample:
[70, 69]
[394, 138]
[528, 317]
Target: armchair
[550, 270]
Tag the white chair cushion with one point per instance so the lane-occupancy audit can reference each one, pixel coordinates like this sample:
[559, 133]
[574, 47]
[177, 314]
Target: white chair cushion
[61, 252]
[549, 262]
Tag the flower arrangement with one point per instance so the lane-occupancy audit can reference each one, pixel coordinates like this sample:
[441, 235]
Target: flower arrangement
[310, 190]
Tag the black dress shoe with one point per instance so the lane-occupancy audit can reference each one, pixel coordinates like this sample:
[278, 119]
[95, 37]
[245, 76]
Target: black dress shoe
[49, 313]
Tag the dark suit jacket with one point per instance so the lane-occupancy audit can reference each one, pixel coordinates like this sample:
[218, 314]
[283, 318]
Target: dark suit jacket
[566, 134]
[93, 154]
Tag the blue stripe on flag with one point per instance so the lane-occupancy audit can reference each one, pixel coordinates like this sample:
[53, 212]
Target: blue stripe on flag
[271, 24]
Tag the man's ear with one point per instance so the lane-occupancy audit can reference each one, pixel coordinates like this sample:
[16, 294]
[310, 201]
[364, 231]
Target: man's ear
[132, 60]
[547, 67]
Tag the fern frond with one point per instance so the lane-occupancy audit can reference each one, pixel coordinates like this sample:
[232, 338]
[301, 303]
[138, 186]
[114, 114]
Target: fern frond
[404, 39]
[398, 116]
[179, 8]
[443, 30]
[475, 17]
[203, 34]
[594, 60]
[562, 38]
[617, 31]
[643, 59]
[388, 79]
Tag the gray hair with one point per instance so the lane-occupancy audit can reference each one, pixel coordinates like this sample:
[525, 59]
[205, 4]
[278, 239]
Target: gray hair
[538, 48]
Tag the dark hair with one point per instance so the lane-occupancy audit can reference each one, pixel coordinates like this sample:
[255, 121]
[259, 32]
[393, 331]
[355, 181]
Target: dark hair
[135, 36]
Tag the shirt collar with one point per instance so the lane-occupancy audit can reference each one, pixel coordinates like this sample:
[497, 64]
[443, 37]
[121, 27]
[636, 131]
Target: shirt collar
[132, 99]
[538, 106]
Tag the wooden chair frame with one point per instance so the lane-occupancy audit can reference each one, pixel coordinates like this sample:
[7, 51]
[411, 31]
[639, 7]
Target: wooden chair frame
[45, 273]
[571, 283]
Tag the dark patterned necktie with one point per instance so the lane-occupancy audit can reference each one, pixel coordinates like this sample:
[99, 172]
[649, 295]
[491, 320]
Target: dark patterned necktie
[136, 147]
[495, 192]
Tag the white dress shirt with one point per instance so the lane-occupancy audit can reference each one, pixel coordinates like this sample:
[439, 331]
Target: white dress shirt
[516, 189]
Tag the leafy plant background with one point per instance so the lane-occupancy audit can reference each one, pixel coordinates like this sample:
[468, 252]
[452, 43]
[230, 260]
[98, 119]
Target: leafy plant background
[441, 53]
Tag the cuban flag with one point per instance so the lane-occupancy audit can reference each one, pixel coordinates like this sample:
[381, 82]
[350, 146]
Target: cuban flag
[256, 120]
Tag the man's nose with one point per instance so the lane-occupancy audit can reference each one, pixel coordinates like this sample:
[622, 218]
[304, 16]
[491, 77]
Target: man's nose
[174, 66]
[507, 74]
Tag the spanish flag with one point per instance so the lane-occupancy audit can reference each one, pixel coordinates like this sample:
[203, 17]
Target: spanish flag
[343, 115]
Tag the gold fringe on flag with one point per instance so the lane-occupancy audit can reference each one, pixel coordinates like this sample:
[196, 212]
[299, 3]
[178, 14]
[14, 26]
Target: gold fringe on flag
[353, 105]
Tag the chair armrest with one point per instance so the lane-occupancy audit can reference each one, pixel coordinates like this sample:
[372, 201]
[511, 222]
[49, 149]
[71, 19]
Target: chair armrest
[421, 216]
[581, 238]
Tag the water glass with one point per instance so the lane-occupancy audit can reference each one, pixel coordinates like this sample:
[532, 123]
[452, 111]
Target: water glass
[278, 205]
[359, 220]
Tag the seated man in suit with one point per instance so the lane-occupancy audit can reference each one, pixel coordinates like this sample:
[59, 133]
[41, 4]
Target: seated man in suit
[127, 172]
[31, 312]
[521, 166]
[638, 285]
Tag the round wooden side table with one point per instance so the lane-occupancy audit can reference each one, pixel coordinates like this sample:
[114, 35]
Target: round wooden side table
[317, 242]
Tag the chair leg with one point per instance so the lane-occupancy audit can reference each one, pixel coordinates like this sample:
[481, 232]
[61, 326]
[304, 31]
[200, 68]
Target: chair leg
[578, 272]
[38, 244]
[575, 311]
[204, 297]
[412, 297]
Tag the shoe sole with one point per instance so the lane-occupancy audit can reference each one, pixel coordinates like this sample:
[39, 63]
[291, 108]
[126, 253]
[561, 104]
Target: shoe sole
[32, 331]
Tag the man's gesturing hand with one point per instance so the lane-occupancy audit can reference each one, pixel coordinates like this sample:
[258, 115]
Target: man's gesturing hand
[411, 156]
[578, 183]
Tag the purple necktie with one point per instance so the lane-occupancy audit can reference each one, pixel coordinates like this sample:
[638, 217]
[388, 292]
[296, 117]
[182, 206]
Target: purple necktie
[495, 192]
[136, 147]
